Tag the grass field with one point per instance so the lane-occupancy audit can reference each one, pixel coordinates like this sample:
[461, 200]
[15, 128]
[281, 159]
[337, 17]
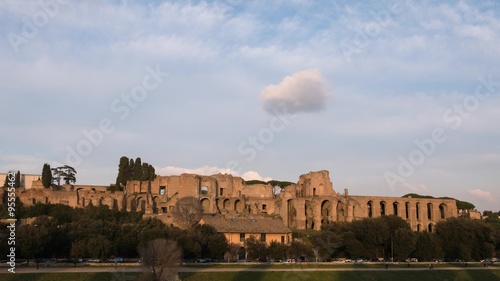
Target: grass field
[101, 276]
[352, 275]
[462, 275]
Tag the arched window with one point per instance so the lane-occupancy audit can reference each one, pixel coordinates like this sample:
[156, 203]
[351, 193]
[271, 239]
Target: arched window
[429, 211]
[442, 209]
[395, 208]
[407, 210]
[382, 208]
[370, 209]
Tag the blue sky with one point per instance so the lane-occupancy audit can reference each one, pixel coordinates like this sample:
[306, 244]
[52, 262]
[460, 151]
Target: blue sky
[391, 97]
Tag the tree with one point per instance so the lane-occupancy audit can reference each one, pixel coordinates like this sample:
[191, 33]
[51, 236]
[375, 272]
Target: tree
[256, 249]
[299, 249]
[46, 175]
[329, 240]
[163, 257]
[427, 246]
[466, 239]
[276, 251]
[17, 181]
[187, 212]
[404, 243]
[66, 173]
[123, 173]
[131, 169]
[232, 251]
[137, 169]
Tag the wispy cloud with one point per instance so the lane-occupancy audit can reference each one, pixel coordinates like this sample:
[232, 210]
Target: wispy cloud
[481, 194]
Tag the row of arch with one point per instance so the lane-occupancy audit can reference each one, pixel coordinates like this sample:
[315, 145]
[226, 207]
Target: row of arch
[407, 210]
[346, 211]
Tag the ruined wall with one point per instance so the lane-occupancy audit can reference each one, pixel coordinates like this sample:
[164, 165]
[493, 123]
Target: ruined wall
[305, 205]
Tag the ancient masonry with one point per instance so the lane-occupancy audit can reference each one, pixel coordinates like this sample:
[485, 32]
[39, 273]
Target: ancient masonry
[308, 204]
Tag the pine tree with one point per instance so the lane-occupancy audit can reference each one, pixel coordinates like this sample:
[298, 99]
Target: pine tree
[137, 169]
[46, 175]
[17, 182]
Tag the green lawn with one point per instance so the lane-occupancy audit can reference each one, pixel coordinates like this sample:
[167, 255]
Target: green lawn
[455, 275]
[101, 276]
[481, 275]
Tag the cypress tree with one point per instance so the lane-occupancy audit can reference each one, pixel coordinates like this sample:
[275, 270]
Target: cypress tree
[46, 176]
[151, 173]
[131, 166]
[123, 173]
[137, 169]
[145, 171]
[17, 182]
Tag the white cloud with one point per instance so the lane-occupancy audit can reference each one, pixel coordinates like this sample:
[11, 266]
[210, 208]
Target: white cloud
[209, 170]
[303, 91]
[252, 175]
[481, 194]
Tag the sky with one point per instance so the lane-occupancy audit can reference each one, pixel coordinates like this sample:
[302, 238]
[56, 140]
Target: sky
[390, 97]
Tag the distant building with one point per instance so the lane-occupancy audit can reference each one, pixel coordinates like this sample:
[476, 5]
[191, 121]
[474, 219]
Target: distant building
[237, 229]
[26, 179]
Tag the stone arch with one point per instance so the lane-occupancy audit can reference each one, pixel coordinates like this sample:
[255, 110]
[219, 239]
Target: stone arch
[430, 215]
[226, 204]
[238, 206]
[141, 204]
[326, 210]
[417, 210]
[131, 203]
[156, 203]
[407, 210]
[78, 190]
[340, 211]
[369, 208]
[357, 210]
[395, 208]
[383, 208]
[205, 203]
[442, 211]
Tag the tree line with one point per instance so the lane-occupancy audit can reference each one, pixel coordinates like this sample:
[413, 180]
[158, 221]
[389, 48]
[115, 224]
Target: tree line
[389, 237]
[128, 170]
[58, 230]
[98, 232]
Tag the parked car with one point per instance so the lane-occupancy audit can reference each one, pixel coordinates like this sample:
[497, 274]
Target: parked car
[116, 260]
